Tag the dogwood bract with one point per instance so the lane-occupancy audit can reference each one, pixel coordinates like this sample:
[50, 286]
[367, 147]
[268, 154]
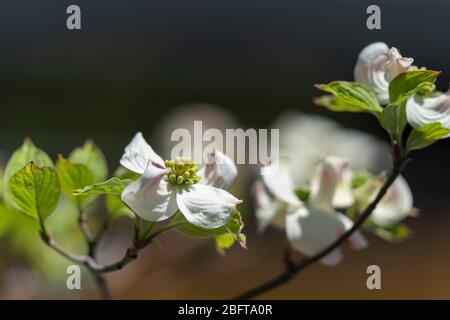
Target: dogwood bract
[422, 110]
[167, 186]
[377, 65]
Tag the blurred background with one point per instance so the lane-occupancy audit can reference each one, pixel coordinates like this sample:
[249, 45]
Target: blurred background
[135, 63]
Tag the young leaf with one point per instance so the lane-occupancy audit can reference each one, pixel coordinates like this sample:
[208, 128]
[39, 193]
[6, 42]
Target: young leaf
[35, 190]
[337, 105]
[22, 156]
[6, 217]
[92, 157]
[2, 185]
[393, 119]
[392, 233]
[350, 96]
[114, 186]
[113, 203]
[224, 242]
[116, 207]
[74, 176]
[233, 227]
[426, 135]
[408, 83]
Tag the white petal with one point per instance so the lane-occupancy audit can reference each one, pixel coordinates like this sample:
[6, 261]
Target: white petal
[423, 110]
[325, 180]
[396, 64]
[310, 231]
[151, 197]
[369, 70]
[343, 195]
[206, 206]
[356, 241]
[220, 172]
[137, 155]
[277, 179]
[395, 206]
[268, 211]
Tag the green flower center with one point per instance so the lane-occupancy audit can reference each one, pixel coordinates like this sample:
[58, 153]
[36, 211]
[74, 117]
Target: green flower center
[182, 171]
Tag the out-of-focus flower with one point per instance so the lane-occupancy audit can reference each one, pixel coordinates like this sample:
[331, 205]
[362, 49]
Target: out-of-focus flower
[311, 225]
[422, 110]
[184, 116]
[171, 185]
[377, 65]
[393, 208]
[305, 139]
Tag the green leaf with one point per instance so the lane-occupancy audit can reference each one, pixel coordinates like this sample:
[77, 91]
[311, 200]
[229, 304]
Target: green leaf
[226, 241]
[92, 157]
[335, 104]
[113, 203]
[6, 217]
[116, 207]
[349, 96]
[74, 176]
[2, 185]
[408, 83]
[114, 186]
[426, 135]
[21, 157]
[393, 119]
[35, 190]
[233, 227]
[360, 177]
[392, 233]
[303, 193]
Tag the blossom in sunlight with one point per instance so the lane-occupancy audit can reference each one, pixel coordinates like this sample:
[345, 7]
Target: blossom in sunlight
[377, 65]
[422, 110]
[167, 186]
[305, 139]
[310, 220]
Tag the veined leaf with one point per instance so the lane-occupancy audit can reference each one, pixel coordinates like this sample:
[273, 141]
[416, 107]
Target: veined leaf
[116, 207]
[426, 135]
[92, 157]
[35, 190]
[350, 96]
[233, 227]
[21, 157]
[408, 83]
[74, 176]
[114, 186]
[393, 119]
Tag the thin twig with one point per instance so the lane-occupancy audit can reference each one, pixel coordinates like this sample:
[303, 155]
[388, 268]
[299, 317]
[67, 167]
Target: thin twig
[294, 268]
[92, 244]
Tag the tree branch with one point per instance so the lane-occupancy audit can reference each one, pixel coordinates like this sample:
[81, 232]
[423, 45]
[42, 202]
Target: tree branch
[294, 268]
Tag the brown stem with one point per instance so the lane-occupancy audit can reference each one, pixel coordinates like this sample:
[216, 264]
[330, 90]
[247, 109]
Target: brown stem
[294, 268]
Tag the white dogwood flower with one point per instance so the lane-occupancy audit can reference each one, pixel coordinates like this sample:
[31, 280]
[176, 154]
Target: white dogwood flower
[318, 137]
[422, 110]
[310, 227]
[377, 65]
[167, 186]
[394, 207]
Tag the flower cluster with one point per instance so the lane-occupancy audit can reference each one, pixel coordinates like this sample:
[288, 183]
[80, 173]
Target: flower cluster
[378, 65]
[315, 215]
